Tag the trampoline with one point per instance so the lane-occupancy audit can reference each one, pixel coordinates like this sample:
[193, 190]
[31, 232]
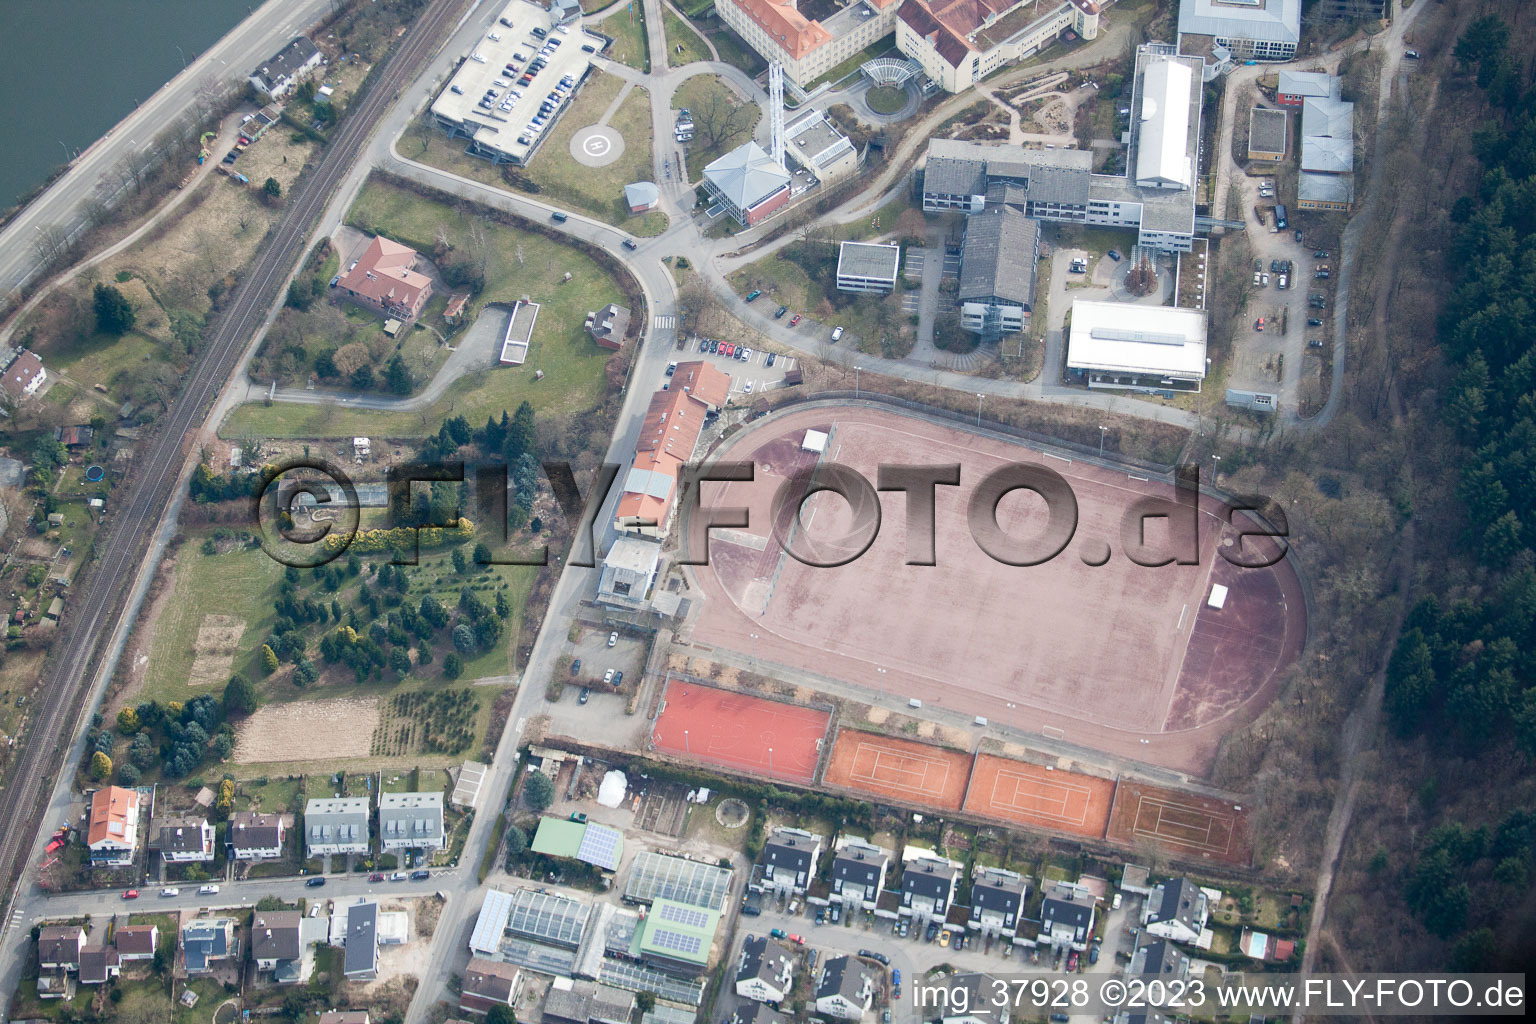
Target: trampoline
[94, 473]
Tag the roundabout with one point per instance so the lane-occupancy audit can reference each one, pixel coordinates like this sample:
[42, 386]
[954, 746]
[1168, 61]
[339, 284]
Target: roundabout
[597, 145]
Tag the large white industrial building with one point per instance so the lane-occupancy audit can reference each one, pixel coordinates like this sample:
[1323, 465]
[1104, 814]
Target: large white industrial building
[1134, 347]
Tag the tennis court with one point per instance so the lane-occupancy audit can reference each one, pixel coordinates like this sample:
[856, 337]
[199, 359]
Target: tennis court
[1035, 795]
[899, 769]
[1184, 824]
[738, 731]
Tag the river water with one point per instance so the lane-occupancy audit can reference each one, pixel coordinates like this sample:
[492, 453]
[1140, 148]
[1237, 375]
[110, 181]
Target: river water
[71, 69]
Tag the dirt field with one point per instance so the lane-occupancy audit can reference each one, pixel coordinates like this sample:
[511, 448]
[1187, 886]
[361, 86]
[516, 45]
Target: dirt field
[218, 640]
[308, 730]
[1039, 796]
[1186, 825]
[1100, 660]
[900, 769]
[750, 734]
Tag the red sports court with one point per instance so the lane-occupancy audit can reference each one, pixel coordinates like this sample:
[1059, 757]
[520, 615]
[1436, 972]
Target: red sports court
[747, 734]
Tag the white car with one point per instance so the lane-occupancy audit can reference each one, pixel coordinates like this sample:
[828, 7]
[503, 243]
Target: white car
[608, 677]
[207, 890]
[170, 892]
[1116, 904]
[1264, 280]
[747, 388]
[613, 638]
[478, 58]
[837, 332]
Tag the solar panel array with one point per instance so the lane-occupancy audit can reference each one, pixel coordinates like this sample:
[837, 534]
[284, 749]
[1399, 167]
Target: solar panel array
[683, 915]
[634, 977]
[600, 846]
[542, 915]
[674, 941]
[655, 876]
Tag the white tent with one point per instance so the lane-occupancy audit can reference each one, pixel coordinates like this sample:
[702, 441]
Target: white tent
[611, 792]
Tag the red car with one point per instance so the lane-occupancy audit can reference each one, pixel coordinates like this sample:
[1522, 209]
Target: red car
[1072, 961]
[794, 321]
[1258, 324]
[375, 877]
[797, 940]
[130, 894]
[726, 350]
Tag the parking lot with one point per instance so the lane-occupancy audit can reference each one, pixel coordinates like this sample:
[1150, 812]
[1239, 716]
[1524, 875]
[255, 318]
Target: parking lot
[749, 375]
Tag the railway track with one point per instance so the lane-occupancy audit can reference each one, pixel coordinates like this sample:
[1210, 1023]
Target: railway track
[97, 604]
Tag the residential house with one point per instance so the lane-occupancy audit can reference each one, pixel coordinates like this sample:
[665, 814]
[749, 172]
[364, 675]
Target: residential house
[789, 859]
[137, 941]
[285, 69]
[1176, 910]
[1160, 959]
[974, 999]
[845, 988]
[361, 960]
[928, 887]
[411, 821]
[1066, 918]
[581, 1002]
[206, 940]
[608, 326]
[858, 872]
[113, 835]
[74, 436]
[384, 279]
[99, 964]
[254, 836]
[665, 445]
[183, 840]
[59, 947]
[766, 970]
[275, 939]
[997, 898]
[336, 826]
[24, 376]
[489, 983]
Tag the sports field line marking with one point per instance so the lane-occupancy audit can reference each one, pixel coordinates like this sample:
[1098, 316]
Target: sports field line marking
[871, 775]
[1159, 806]
[1037, 803]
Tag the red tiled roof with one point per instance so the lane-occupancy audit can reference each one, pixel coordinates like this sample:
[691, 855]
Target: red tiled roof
[384, 274]
[114, 813]
[786, 25]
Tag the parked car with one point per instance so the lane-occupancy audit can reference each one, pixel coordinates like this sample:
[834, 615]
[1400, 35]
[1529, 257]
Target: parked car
[608, 677]
[1072, 961]
[315, 882]
[1258, 324]
[1264, 280]
[398, 876]
[1314, 343]
[837, 908]
[753, 294]
[1411, 54]
[1298, 236]
[618, 678]
[794, 321]
[208, 890]
[377, 876]
[1115, 903]
[771, 357]
[837, 333]
[777, 933]
[130, 894]
[613, 638]
[558, 217]
[170, 892]
[797, 940]
[746, 388]
[576, 666]
[959, 941]
[1256, 276]
[821, 915]
[586, 692]
[1313, 321]
[1284, 283]
[420, 876]
[1093, 954]
[944, 938]
[896, 977]
[744, 353]
[630, 244]
[1112, 254]
[779, 313]
[1320, 254]
[933, 930]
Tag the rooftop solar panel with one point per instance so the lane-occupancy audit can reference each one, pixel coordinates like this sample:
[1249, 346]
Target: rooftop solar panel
[600, 846]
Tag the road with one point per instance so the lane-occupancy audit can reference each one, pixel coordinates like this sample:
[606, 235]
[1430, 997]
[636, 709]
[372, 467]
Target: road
[229, 61]
[94, 613]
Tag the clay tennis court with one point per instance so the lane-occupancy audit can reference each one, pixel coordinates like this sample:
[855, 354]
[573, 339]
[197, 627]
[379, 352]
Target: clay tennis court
[1031, 794]
[903, 770]
[739, 731]
[1186, 825]
[1093, 654]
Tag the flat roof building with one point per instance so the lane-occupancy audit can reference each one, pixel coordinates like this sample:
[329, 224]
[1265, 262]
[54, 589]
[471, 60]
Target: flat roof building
[1250, 29]
[1164, 158]
[480, 102]
[1268, 130]
[820, 148]
[1137, 347]
[868, 267]
[629, 570]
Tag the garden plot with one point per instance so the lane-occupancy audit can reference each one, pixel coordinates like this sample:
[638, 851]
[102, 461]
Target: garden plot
[213, 653]
[333, 729]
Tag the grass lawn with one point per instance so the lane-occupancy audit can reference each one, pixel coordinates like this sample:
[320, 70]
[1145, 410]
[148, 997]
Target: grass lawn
[278, 793]
[572, 363]
[697, 94]
[876, 49]
[683, 44]
[731, 50]
[630, 45]
[886, 99]
[239, 584]
[600, 190]
[422, 780]
[210, 994]
[102, 358]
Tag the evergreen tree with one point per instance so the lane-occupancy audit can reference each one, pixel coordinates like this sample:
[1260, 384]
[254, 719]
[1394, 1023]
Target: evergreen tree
[114, 314]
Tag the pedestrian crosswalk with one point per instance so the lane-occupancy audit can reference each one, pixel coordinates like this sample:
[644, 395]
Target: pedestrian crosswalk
[666, 323]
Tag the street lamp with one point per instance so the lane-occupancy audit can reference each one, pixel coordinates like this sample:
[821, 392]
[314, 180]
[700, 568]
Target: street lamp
[770, 762]
[1102, 431]
[686, 748]
[1216, 467]
[183, 57]
[978, 408]
[856, 370]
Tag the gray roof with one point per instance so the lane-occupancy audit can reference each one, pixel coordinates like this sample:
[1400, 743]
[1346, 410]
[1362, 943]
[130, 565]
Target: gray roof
[1321, 154]
[1307, 83]
[275, 935]
[762, 958]
[859, 865]
[1062, 909]
[980, 997]
[927, 878]
[869, 259]
[343, 820]
[841, 975]
[205, 939]
[362, 948]
[1325, 188]
[758, 1013]
[1160, 958]
[954, 176]
[413, 817]
[180, 835]
[641, 193]
[250, 830]
[1001, 891]
[1267, 20]
[746, 175]
[787, 850]
[1176, 900]
[1267, 130]
[287, 60]
[998, 257]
